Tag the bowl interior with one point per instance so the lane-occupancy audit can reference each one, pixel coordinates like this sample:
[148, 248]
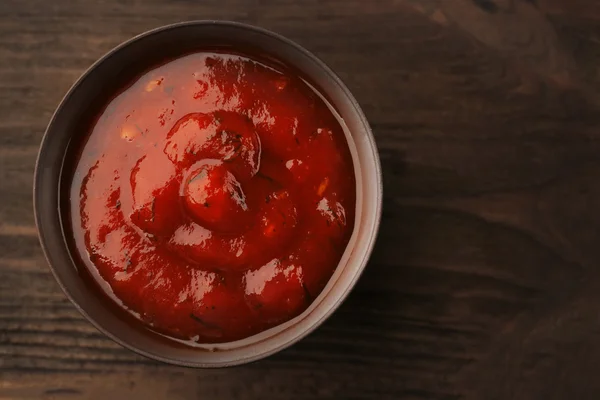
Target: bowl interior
[91, 93]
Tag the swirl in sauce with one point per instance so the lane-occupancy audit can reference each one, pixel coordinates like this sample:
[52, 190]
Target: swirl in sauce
[214, 197]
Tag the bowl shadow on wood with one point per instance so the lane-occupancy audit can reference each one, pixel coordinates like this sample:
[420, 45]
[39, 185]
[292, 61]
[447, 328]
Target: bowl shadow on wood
[440, 292]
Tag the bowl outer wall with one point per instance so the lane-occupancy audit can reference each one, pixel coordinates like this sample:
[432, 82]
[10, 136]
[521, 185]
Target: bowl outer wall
[49, 167]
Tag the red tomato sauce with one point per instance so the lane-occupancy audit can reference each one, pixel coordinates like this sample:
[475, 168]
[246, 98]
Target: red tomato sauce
[214, 197]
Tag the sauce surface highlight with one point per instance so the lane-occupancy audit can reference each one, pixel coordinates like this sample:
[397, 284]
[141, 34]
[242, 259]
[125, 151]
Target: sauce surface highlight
[214, 197]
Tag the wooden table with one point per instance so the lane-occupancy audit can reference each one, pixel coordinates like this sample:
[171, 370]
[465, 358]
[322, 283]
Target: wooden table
[485, 281]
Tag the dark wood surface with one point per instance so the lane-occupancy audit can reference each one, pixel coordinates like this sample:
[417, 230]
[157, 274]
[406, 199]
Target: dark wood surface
[485, 281]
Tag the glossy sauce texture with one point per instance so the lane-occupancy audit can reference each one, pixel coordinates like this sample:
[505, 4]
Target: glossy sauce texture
[214, 197]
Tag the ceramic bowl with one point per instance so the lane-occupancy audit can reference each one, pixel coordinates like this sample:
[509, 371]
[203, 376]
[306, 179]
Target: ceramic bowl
[94, 89]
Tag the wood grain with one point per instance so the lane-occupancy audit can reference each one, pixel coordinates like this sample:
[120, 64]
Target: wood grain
[485, 282]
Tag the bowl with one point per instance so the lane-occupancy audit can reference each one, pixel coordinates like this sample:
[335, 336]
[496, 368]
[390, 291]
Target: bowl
[112, 72]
